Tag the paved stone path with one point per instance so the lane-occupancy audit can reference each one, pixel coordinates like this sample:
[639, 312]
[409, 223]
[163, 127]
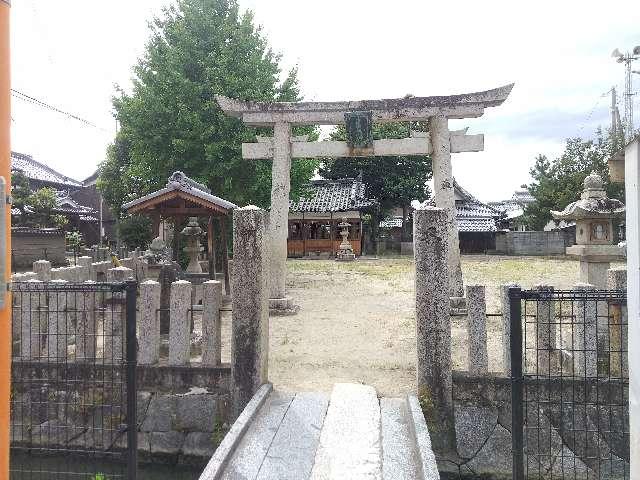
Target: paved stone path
[349, 434]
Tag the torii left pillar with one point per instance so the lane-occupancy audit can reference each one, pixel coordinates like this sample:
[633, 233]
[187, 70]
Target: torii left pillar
[445, 197]
[279, 219]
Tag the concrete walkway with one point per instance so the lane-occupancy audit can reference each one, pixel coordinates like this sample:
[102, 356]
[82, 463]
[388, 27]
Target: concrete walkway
[350, 434]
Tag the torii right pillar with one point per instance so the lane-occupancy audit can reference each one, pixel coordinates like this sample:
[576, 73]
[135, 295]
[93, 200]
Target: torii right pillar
[445, 197]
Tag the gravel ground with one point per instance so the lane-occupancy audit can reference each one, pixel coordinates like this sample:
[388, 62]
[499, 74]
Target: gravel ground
[357, 323]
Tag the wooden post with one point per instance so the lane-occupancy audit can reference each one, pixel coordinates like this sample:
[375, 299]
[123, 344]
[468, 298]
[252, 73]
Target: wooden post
[156, 223]
[332, 236]
[211, 249]
[225, 255]
[305, 229]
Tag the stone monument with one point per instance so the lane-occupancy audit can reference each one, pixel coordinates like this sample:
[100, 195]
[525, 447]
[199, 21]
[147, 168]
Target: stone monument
[594, 214]
[345, 253]
[193, 231]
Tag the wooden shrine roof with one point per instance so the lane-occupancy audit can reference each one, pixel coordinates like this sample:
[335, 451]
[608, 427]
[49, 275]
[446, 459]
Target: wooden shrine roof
[181, 196]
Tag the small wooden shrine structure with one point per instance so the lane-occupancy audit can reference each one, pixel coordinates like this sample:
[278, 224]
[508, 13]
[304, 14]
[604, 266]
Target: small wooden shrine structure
[314, 219]
[183, 197]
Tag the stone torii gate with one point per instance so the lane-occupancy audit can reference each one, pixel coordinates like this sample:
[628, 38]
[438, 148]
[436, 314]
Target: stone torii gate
[439, 142]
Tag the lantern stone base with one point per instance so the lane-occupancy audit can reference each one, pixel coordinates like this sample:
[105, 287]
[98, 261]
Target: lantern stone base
[595, 260]
[345, 257]
[280, 307]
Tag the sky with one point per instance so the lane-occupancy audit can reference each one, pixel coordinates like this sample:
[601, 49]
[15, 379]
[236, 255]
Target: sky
[72, 53]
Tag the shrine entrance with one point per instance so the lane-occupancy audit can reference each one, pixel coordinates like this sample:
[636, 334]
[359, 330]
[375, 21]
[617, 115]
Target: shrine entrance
[358, 117]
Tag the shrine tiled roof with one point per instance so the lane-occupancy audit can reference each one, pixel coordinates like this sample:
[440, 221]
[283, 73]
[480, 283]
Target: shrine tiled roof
[333, 196]
[472, 215]
[35, 170]
[179, 182]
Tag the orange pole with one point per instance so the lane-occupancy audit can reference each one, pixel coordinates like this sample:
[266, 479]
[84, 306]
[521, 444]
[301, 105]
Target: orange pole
[5, 171]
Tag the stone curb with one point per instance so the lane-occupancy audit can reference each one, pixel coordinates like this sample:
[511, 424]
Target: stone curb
[227, 447]
[418, 425]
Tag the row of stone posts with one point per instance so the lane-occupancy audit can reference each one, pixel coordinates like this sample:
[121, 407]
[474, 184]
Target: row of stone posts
[181, 311]
[48, 319]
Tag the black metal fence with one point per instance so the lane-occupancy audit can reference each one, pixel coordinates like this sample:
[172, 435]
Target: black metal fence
[570, 387]
[73, 397]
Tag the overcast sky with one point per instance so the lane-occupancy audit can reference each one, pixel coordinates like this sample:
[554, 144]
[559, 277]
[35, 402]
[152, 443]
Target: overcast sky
[71, 53]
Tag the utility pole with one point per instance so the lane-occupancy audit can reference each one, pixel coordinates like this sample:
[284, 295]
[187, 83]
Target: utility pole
[5, 261]
[614, 130]
[627, 59]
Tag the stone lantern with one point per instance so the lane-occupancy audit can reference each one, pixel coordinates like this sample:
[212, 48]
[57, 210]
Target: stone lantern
[594, 214]
[193, 231]
[345, 252]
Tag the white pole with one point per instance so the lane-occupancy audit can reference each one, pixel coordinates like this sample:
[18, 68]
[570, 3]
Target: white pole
[632, 180]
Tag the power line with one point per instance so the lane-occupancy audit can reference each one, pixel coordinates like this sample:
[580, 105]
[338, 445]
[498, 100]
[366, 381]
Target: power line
[29, 99]
[593, 110]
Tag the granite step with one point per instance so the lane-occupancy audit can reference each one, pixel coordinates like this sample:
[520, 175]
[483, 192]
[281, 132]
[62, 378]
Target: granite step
[399, 454]
[349, 435]
[350, 445]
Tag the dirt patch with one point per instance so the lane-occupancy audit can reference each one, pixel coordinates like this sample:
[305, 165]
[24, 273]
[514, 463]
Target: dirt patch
[357, 323]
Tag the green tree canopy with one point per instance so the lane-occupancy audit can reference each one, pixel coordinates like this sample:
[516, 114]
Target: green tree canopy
[43, 203]
[171, 121]
[556, 183]
[392, 181]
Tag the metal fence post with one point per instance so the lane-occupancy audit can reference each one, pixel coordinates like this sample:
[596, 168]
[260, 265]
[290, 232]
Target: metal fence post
[131, 363]
[517, 416]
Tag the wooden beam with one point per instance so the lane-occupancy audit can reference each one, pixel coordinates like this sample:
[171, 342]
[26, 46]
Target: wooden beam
[185, 211]
[225, 255]
[211, 249]
[381, 148]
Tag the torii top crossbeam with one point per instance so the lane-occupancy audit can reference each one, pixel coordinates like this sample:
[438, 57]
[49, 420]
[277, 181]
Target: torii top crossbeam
[466, 105]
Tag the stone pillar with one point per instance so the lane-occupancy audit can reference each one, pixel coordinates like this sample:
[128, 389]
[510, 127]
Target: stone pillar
[445, 198]
[33, 307]
[180, 323]
[94, 253]
[618, 325]
[57, 328]
[477, 329]
[119, 274]
[42, 269]
[506, 326]
[149, 335]
[250, 320]
[114, 317]
[279, 212]
[211, 331]
[594, 273]
[85, 265]
[433, 327]
[86, 324]
[585, 334]
[545, 331]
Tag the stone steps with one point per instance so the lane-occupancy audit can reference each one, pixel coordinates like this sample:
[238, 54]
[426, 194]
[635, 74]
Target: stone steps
[350, 434]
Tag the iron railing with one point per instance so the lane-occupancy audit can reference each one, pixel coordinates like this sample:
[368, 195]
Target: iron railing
[73, 397]
[570, 416]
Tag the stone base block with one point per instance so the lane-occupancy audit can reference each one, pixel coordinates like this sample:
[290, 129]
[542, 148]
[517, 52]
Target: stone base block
[345, 257]
[458, 305]
[406, 248]
[279, 307]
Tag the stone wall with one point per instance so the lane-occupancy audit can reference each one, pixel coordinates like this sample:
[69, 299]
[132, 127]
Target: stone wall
[572, 421]
[30, 244]
[183, 388]
[183, 413]
[533, 243]
[482, 412]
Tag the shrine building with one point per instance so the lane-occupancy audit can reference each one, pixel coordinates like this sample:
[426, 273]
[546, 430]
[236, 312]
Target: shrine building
[314, 218]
